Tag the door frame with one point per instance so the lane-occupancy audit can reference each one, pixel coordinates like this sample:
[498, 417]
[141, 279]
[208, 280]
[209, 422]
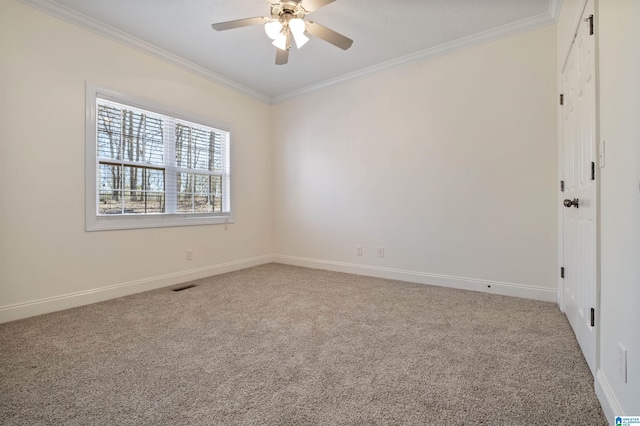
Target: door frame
[566, 49]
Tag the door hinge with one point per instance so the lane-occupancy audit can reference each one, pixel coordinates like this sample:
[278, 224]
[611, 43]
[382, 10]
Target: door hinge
[593, 171]
[562, 272]
[593, 317]
[590, 21]
[561, 99]
[561, 186]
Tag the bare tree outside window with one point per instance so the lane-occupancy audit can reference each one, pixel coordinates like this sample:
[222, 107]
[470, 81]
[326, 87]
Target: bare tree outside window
[132, 165]
[198, 154]
[131, 176]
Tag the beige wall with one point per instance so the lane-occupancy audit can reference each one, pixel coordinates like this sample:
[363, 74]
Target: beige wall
[618, 36]
[450, 164]
[46, 252]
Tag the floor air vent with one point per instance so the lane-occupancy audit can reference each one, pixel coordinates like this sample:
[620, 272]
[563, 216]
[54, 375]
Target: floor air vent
[185, 287]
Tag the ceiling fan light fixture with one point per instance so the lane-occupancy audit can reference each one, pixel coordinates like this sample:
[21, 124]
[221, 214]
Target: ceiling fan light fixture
[297, 26]
[280, 41]
[300, 39]
[287, 21]
[273, 28]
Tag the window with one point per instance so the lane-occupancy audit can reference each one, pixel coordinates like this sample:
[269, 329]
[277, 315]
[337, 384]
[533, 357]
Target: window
[149, 167]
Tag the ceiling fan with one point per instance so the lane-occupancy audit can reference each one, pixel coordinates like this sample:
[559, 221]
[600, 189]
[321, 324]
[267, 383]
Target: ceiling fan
[286, 22]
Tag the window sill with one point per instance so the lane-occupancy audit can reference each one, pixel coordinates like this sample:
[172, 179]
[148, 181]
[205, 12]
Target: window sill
[112, 223]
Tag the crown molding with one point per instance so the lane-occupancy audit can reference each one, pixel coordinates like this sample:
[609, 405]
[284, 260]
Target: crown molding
[114, 34]
[126, 39]
[504, 31]
[554, 9]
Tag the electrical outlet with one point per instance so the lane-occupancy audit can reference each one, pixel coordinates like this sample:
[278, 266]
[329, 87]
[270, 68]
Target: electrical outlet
[380, 251]
[622, 363]
[189, 255]
[358, 250]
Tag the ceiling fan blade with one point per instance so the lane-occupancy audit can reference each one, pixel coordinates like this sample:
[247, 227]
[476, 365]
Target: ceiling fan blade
[328, 35]
[311, 5]
[229, 25]
[282, 56]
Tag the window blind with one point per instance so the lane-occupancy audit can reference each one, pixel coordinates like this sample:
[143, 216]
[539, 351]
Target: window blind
[150, 163]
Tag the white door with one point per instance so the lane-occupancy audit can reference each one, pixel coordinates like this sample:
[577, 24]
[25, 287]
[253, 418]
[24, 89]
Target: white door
[580, 195]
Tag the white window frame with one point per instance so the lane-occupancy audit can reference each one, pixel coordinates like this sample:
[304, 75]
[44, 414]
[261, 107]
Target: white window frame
[97, 222]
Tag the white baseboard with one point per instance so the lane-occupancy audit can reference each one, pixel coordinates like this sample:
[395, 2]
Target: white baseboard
[494, 287]
[608, 401]
[72, 300]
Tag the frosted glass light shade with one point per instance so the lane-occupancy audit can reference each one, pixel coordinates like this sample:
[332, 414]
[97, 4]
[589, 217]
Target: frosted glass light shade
[300, 39]
[280, 42]
[273, 28]
[297, 26]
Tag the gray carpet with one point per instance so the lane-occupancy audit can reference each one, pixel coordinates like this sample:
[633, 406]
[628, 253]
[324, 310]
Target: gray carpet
[281, 345]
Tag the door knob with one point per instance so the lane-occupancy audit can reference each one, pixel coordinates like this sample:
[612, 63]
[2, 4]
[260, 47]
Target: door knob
[575, 202]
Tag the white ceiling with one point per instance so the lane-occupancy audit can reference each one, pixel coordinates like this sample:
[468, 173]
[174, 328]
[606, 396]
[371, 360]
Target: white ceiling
[386, 33]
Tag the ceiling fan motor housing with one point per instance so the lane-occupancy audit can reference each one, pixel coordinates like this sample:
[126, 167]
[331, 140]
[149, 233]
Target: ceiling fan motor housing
[287, 10]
